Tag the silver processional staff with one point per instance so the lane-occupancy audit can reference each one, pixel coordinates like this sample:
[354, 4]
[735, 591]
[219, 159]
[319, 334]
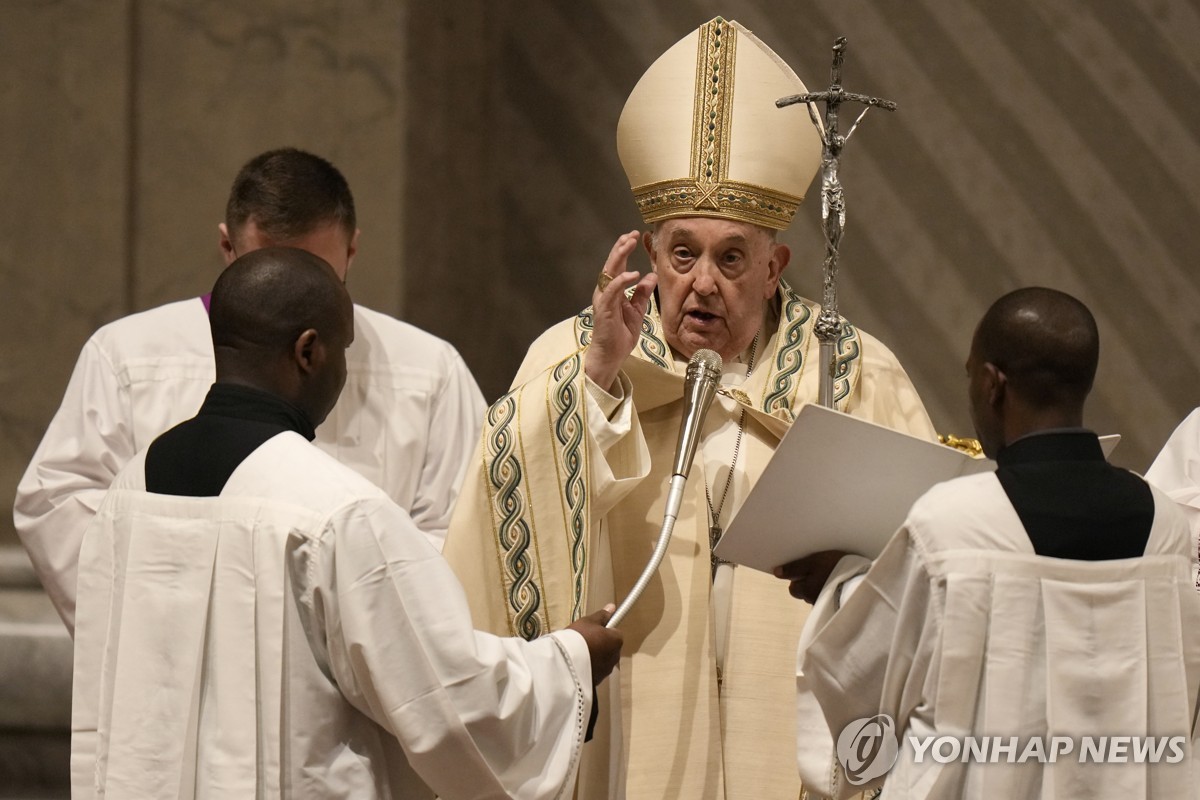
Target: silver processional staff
[833, 203]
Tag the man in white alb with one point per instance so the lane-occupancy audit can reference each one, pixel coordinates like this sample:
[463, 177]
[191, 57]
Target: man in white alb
[257, 619]
[1049, 600]
[407, 421]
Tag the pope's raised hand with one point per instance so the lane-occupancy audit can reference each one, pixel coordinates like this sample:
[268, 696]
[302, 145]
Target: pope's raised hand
[617, 317]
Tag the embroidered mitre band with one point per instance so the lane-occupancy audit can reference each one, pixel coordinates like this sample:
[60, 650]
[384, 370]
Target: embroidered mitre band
[700, 134]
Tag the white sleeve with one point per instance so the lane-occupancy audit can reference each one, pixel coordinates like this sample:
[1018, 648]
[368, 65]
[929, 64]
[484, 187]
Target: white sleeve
[815, 754]
[87, 443]
[456, 415]
[1176, 471]
[478, 716]
[866, 658]
[621, 455]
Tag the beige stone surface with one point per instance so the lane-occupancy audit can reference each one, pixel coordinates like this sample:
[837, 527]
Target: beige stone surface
[220, 82]
[35, 663]
[65, 160]
[123, 126]
[64, 191]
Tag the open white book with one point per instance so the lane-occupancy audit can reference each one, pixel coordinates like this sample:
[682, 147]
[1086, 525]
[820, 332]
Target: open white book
[838, 482]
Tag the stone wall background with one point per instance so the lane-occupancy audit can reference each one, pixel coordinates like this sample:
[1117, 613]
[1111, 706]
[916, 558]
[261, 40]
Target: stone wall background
[1037, 142]
[123, 123]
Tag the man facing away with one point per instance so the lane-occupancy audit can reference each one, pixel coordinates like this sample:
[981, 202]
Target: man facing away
[585, 439]
[256, 619]
[407, 421]
[1049, 600]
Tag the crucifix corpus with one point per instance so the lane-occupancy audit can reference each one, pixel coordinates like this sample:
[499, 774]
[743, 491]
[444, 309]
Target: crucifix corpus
[833, 203]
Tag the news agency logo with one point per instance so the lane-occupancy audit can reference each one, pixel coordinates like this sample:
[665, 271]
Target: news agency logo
[867, 748]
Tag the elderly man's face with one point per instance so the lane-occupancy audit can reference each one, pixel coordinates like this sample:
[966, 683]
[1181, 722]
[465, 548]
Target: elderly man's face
[713, 278]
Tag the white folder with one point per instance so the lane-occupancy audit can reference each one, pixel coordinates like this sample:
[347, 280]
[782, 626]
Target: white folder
[838, 482]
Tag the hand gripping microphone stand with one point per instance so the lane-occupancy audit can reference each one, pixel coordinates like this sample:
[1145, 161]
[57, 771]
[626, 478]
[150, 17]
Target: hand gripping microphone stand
[699, 387]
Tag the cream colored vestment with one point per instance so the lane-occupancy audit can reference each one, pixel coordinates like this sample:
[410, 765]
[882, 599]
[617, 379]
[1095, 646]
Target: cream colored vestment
[562, 513]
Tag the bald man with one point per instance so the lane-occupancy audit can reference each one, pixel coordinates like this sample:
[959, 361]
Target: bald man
[258, 619]
[1051, 598]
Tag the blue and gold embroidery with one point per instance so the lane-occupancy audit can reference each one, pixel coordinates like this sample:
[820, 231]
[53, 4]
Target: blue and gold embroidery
[653, 346]
[847, 352]
[585, 323]
[510, 493]
[789, 359]
[566, 416]
[510, 509]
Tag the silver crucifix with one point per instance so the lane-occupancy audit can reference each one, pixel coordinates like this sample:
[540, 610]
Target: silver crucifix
[833, 203]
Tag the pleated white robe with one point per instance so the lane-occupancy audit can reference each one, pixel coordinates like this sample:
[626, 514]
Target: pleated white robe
[298, 636]
[959, 629]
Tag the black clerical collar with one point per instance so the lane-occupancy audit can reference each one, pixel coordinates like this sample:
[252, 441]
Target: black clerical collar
[246, 403]
[1058, 444]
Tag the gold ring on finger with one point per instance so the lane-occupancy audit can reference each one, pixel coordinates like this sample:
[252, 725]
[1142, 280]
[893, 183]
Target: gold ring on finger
[603, 281]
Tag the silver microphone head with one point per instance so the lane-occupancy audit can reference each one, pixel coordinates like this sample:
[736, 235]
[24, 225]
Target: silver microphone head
[704, 362]
[699, 386]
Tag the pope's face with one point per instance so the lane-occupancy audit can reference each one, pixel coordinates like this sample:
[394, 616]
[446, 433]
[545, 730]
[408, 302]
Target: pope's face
[714, 276]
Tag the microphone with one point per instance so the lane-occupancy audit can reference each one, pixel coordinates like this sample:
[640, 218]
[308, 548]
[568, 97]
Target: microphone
[699, 387]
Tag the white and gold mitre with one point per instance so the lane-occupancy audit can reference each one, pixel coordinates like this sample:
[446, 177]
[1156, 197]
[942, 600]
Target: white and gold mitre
[700, 135]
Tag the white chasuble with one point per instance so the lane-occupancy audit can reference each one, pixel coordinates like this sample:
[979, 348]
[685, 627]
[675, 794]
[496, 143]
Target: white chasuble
[564, 513]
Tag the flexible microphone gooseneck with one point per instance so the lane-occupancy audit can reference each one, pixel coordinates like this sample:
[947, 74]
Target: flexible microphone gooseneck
[699, 387]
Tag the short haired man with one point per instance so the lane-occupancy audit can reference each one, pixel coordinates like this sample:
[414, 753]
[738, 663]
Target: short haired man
[1051, 598]
[407, 421]
[586, 436]
[258, 620]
